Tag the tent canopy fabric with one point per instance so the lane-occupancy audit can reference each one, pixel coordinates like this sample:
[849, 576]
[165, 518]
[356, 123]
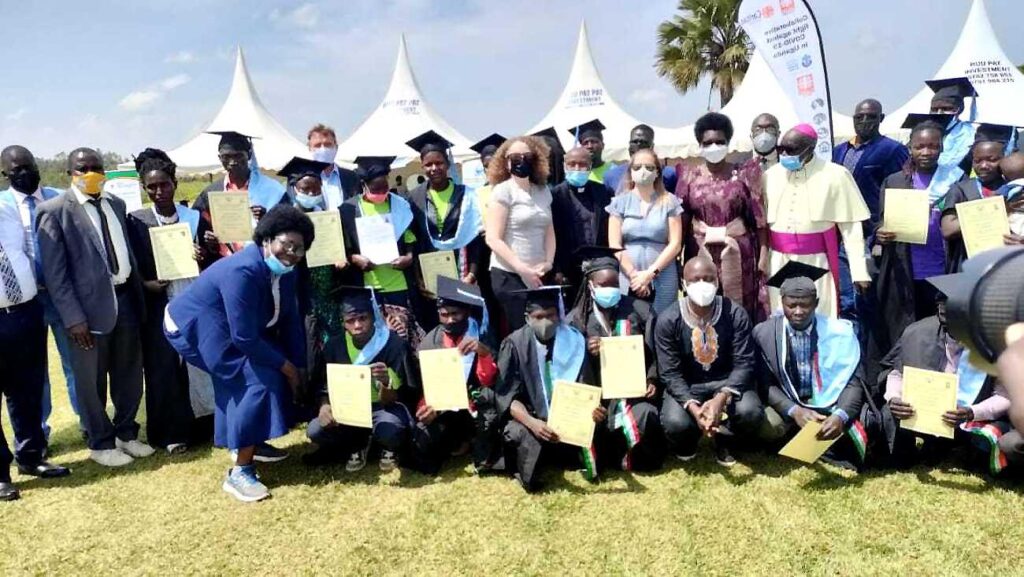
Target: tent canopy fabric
[242, 112]
[978, 56]
[401, 116]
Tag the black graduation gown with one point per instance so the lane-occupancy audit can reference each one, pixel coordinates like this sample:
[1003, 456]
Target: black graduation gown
[352, 276]
[396, 355]
[580, 220]
[202, 204]
[956, 251]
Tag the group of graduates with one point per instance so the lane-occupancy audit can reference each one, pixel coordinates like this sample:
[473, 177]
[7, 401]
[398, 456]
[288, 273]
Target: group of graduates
[559, 250]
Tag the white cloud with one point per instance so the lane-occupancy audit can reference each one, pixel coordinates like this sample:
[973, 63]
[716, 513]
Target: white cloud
[305, 16]
[181, 57]
[139, 100]
[647, 95]
[175, 81]
[89, 122]
[16, 115]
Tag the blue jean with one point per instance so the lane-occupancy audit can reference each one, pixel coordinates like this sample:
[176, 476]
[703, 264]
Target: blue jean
[63, 342]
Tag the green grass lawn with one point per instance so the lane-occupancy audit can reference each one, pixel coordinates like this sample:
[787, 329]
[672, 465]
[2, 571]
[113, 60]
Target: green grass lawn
[167, 516]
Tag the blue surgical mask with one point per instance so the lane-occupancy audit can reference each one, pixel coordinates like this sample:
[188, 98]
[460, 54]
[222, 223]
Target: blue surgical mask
[791, 163]
[308, 201]
[276, 266]
[577, 178]
[607, 297]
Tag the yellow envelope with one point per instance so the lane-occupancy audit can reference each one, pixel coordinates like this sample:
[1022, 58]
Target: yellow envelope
[805, 446]
[907, 212]
[329, 247]
[623, 367]
[349, 388]
[435, 264]
[571, 412]
[444, 382]
[173, 252]
[231, 215]
[983, 224]
[931, 394]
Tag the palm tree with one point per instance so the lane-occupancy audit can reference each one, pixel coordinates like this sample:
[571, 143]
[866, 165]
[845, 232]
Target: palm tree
[705, 39]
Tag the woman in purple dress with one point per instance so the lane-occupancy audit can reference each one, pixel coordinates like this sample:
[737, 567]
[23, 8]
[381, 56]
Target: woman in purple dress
[722, 207]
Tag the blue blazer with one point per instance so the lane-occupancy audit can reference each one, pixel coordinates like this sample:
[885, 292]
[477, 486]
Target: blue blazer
[223, 316]
[882, 157]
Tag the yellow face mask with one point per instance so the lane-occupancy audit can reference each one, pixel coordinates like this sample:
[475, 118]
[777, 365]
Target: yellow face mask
[90, 183]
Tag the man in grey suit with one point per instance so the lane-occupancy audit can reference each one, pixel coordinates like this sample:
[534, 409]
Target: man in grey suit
[91, 275]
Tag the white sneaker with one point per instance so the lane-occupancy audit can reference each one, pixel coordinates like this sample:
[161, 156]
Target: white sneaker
[110, 457]
[388, 461]
[134, 448]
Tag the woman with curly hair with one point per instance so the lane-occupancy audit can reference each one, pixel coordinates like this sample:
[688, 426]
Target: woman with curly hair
[520, 231]
[722, 206]
[240, 322]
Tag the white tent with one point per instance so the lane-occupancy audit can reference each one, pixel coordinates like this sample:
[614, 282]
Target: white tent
[978, 56]
[400, 117]
[758, 93]
[242, 112]
[585, 98]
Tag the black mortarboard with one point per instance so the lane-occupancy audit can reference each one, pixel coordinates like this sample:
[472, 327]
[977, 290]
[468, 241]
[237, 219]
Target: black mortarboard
[915, 118]
[451, 291]
[543, 297]
[429, 141]
[595, 258]
[952, 87]
[796, 279]
[371, 167]
[550, 135]
[299, 167]
[590, 128]
[946, 284]
[986, 132]
[233, 139]
[491, 142]
[354, 299]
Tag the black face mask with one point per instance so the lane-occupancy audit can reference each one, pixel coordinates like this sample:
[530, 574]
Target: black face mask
[26, 181]
[521, 167]
[456, 329]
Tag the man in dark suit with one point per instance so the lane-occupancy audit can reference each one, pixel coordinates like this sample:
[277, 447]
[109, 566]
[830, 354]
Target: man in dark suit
[92, 278]
[339, 184]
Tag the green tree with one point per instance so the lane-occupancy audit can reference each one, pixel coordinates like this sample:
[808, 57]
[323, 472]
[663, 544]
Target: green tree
[705, 39]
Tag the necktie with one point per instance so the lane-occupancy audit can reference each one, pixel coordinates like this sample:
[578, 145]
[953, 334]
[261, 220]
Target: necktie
[108, 242]
[10, 280]
[31, 238]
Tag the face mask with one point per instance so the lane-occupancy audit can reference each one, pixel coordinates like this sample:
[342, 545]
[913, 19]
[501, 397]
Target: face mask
[375, 197]
[276, 266]
[543, 329]
[606, 297]
[577, 178]
[308, 201]
[26, 182]
[521, 167]
[701, 293]
[714, 153]
[455, 329]
[764, 143]
[325, 154]
[643, 176]
[90, 183]
[791, 163]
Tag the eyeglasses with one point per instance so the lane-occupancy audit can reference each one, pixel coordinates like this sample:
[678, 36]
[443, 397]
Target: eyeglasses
[789, 150]
[290, 248]
[769, 129]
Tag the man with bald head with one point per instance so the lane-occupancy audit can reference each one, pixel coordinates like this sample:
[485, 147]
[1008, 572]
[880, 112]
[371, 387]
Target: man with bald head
[764, 136]
[811, 203]
[578, 211]
[706, 365]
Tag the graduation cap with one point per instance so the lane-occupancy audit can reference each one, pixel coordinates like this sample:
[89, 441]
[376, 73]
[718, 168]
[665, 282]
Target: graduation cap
[429, 141]
[952, 88]
[596, 258]
[354, 299]
[451, 291]
[916, 118]
[545, 297]
[371, 167]
[232, 139]
[947, 284]
[550, 135]
[298, 168]
[796, 279]
[491, 143]
[588, 129]
[986, 132]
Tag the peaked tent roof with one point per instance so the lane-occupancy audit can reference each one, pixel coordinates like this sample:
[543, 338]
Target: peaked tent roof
[242, 112]
[585, 98]
[401, 116]
[978, 56]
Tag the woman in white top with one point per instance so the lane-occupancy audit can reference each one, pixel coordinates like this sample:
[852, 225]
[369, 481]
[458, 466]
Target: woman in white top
[520, 232]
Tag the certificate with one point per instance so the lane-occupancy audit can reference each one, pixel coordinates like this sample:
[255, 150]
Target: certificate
[232, 217]
[329, 246]
[435, 264]
[983, 223]
[444, 381]
[931, 394]
[377, 238]
[806, 446]
[907, 213]
[623, 368]
[173, 252]
[349, 388]
[572, 412]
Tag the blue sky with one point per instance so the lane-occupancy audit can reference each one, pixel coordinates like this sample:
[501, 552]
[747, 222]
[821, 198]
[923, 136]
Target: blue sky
[129, 74]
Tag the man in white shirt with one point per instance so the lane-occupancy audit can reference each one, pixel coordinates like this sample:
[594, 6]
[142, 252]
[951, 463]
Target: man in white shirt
[91, 275]
[339, 184]
[18, 165]
[22, 356]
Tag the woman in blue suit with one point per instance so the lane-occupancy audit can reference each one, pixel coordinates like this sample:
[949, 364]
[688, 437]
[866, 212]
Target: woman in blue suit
[240, 322]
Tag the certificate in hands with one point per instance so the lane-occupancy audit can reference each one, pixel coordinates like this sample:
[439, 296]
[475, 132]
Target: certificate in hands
[907, 213]
[173, 252]
[623, 368]
[931, 394]
[231, 215]
[377, 238]
[806, 446]
[349, 388]
[983, 223]
[571, 412]
[329, 247]
[444, 382]
[435, 264]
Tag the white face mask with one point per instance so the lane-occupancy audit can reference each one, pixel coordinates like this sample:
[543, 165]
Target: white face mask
[764, 142]
[325, 154]
[701, 293]
[714, 153]
[643, 176]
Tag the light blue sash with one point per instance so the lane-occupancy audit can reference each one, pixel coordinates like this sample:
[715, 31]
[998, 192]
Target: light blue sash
[970, 381]
[379, 338]
[473, 332]
[838, 357]
[469, 224]
[264, 191]
[188, 216]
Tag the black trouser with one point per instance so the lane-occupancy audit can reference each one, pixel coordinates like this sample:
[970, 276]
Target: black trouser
[513, 304]
[683, 432]
[22, 374]
[168, 405]
[528, 456]
[648, 454]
